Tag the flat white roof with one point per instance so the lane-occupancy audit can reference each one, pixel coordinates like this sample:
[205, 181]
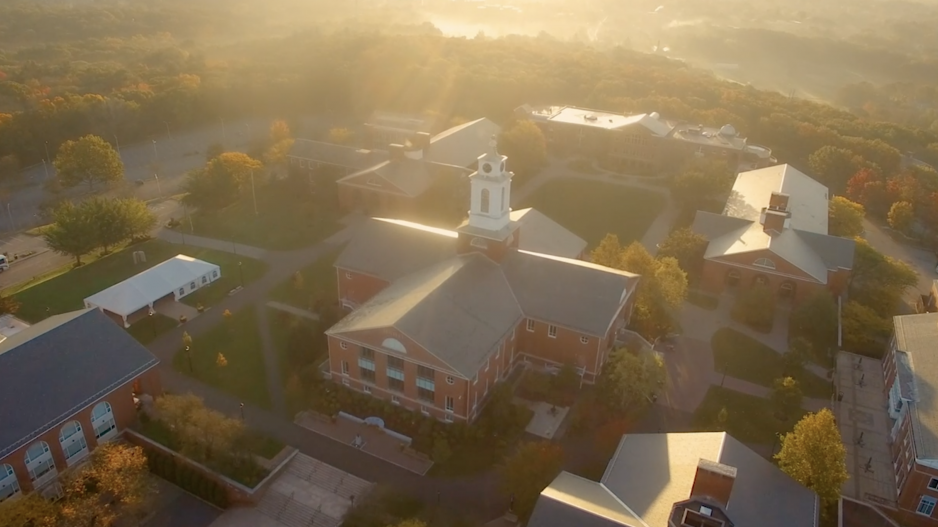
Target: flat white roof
[144, 288]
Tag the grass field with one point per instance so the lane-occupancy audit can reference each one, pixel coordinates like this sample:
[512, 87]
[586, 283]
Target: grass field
[240, 343]
[591, 210]
[748, 359]
[287, 218]
[750, 419]
[319, 283]
[66, 292]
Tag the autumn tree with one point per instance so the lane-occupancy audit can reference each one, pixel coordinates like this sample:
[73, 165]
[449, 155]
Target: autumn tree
[526, 148]
[222, 180]
[864, 330]
[661, 290]
[528, 471]
[89, 160]
[834, 166]
[846, 217]
[685, 246]
[72, 232]
[901, 215]
[814, 455]
[31, 510]
[204, 434]
[114, 484]
[279, 131]
[786, 398]
[867, 188]
[608, 252]
[276, 154]
[815, 319]
[700, 180]
[629, 380]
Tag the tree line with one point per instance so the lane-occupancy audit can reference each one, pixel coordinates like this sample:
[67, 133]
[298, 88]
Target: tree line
[79, 228]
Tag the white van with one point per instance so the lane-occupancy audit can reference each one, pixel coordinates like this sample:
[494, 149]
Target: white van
[4, 263]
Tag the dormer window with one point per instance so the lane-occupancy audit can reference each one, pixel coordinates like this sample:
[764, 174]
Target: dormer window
[764, 262]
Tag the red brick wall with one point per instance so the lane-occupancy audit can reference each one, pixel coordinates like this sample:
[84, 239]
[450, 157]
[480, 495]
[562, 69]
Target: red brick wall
[914, 488]
[122, 406]
[358, 287]
[565, 348]
[714, 279]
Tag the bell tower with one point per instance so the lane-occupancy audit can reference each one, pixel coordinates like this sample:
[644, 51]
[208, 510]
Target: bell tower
[490, 188]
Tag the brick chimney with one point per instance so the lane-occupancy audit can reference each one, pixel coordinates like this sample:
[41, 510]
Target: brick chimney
[714, 480]
[779, 201]
[774, 221]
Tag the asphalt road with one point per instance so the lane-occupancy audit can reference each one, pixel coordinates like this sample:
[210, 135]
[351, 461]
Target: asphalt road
[923, 262]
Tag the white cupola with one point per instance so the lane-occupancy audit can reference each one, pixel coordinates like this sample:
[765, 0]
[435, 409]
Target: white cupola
[490, 192]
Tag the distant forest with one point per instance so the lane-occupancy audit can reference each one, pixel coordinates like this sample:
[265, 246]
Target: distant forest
[126, 69]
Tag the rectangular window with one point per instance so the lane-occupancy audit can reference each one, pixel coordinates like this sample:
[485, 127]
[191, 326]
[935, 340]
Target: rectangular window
[552, 331]
[426, 395]
[396, 385]
[366, 364]
[344, 368]
[425, 373]
[424, 410]
[926, 506]
[366, 388]
[395, 400]
[530, 325]
[450, 403]
[368, 376]
[368, 353]
[396, 362]
[584, 340]
[933, 484]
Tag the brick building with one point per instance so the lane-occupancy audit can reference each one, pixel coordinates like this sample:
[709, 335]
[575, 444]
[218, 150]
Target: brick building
[70, 383]
[439, 317]
[706, 479]
[910, 370]
[773, 231]
[643, 143]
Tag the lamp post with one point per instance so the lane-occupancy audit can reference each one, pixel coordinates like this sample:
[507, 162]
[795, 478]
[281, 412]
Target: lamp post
[152, 323]
[242, 411]
[167, 131]
[189, 357]
[45, 168]
[47, 152]
[241, 274]
[156, 156]
[118, 142]
[158, 187]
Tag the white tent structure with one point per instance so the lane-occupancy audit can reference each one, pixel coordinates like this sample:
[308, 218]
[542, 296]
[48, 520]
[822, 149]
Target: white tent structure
[178, 276]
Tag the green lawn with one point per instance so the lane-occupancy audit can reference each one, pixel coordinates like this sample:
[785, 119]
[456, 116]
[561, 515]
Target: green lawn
[235, 269]
[750, 419]
[240, 343]
[319, 283]
[591, 210]
[66, 292]
[748, 359]
[287, 219]
[146, 330]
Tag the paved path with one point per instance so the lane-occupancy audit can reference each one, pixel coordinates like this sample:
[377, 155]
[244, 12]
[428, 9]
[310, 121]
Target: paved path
[280, 306]
[922, 261]
[749, 388]
[181, 237]
[271, 361]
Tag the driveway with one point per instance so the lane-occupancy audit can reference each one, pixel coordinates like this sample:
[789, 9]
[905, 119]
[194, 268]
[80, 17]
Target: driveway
[922, 261]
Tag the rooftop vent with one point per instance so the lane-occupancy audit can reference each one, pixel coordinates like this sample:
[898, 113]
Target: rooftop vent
[590, 117]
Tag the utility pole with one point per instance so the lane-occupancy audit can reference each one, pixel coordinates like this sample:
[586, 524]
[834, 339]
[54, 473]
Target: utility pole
[156, 156]
[118, 141]
[253, 193]
[45, 168]
[241, 274]
[47, 152]
[167, 131]
[158, 187]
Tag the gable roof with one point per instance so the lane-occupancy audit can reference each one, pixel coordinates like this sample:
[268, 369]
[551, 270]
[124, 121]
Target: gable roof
[389, 249]
[917, 368]
[459, 310]
[79, 357]
[338, 155]
[409, 176]
[572, 500]
[540, 234]
[805, 244]
[652, 472]
[146, 287]
[462, 145]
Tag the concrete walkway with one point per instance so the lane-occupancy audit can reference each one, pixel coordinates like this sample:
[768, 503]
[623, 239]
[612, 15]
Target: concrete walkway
[210, 243]
[271, 362]
[749, 388]
[286, 308]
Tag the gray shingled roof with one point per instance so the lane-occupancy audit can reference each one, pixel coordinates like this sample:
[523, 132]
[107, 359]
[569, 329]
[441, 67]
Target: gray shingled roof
[652, 472]
[459, 310]
[917, 340]
[390, 249]
[58, 367]
[462, 145]
[338, 155]
[411, 176]
[574, 501]
[540, 234]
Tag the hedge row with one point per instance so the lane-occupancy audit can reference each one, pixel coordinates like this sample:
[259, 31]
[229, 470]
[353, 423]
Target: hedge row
[186, 477]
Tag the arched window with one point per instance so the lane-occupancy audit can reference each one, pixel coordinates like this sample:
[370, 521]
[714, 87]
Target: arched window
[485, 200]
[9, 486]
[764, 262]
[394, 345]
[73, 442]
[39, 462]
[102, 420]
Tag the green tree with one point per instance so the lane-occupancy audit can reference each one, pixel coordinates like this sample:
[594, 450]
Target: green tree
[528, 471]
[72, 232]
[799, 352]
[755, 306]
[138, 219]
[878, 281]
[786, 398]
[629, 380]
[864, 330]
[89, 160]
[608, 252]
[816, 320]
[834, 166]
[221, 181]
[901, 215]
[526, 148]
[814, 455]
[846, 217]
[685, 246]
[700, 180]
